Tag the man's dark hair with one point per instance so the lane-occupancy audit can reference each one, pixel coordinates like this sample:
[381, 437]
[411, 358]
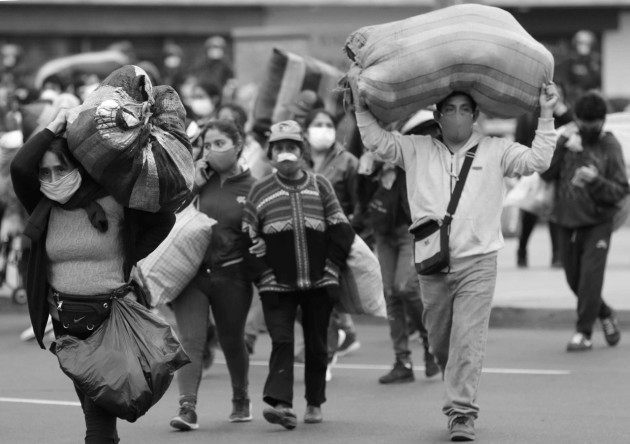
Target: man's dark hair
[441, 103]
[590, 106]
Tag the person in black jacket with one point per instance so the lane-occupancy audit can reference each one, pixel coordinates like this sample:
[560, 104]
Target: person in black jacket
[590, 176]
[84, 244]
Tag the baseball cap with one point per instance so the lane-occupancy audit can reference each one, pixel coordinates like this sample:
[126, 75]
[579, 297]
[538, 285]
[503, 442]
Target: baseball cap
[286, 130]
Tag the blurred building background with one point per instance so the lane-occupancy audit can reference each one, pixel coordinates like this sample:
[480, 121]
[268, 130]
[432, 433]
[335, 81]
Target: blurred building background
[41, 30]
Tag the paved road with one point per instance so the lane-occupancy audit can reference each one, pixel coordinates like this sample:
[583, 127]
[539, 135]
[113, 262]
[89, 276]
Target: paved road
[532, 392]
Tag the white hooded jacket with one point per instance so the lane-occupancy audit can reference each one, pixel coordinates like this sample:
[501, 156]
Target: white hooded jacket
[432, 171]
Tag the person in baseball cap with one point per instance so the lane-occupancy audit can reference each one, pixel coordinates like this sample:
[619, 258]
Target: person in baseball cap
[286, 148]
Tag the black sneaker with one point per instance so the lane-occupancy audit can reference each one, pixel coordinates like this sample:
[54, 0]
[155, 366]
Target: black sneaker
[402, 372]
[186, 418]
[611, 330]
[281, 414]
[241, 410]
[430, 366]
[313, 415]
[461, 428]
[349, 344]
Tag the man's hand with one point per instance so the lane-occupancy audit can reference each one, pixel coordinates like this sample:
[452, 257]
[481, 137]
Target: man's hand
[548, 98]
[58, 125]
[584, 175]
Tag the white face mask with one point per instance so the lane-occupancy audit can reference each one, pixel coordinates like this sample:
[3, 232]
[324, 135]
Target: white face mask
[321, 138]
[202, 107]
[63, 189]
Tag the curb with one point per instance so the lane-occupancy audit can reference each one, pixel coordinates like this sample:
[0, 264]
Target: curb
[545, 318]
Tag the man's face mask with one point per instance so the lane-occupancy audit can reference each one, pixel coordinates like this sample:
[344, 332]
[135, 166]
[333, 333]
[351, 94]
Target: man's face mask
[456, 119]
[590, 131]
[287, 158]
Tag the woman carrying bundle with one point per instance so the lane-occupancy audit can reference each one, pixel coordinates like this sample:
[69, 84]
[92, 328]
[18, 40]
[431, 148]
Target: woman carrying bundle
[84, 245]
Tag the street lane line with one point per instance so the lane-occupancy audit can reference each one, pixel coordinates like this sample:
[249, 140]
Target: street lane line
[504, 371]
[41, 401]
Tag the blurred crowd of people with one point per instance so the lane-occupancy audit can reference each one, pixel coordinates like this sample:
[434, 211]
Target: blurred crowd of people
[370, 197]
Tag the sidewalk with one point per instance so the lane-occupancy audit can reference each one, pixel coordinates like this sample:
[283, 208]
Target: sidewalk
[539, 294]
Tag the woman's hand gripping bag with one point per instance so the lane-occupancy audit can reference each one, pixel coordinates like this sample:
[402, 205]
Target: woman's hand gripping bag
[127, 364]
[130, 136]
[410, 64]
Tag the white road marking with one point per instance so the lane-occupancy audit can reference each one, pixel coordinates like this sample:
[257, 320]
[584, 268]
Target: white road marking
[504, 371]
[41, 401]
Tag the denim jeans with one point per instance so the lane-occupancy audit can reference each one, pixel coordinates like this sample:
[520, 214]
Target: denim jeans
[229, 294]
[584, 252]
[280, 310]
[401, 287]
[456, 314]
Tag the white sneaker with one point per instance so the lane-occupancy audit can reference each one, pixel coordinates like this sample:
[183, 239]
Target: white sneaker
[579, 342]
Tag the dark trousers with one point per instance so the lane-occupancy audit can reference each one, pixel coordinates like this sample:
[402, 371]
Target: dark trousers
[584, 253]
[100, 425]
[229, 293]
[280, 310]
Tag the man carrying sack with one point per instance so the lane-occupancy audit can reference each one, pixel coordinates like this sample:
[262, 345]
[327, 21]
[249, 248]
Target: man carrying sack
[457, 294]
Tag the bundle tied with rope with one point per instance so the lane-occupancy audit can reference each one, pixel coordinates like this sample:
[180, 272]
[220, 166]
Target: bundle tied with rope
[401, 67]
[130, 136]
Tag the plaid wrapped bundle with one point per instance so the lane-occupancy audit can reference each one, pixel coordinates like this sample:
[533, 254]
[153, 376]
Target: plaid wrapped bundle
[407, 65]
[287, 75]
[131, 138]
[175, 262]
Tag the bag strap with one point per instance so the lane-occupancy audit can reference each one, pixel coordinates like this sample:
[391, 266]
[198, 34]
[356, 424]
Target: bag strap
[459, 186]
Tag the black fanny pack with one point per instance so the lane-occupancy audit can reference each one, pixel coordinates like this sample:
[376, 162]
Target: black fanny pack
[80, 315]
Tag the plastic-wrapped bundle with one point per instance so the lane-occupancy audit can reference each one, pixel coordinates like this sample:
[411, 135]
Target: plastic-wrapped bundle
[287, 75]
[482, 50]
[131, 138]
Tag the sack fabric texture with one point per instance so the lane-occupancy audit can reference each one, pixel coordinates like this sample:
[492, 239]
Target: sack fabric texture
[131, 138]
[410, 64]
[127, 364]
[361, 283]
[175, 262]
[287, 75]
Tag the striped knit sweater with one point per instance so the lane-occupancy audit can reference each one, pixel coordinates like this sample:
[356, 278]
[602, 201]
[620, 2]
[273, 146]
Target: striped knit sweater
[307, 235]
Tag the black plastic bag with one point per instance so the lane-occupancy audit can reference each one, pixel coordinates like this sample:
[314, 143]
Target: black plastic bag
[127, 364]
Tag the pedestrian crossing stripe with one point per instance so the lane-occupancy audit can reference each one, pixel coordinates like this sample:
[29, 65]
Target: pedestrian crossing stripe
[41, 402]
[505, 371]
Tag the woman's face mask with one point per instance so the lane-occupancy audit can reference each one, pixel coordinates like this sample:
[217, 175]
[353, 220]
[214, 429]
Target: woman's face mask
[62, 189]
[321, 132]
[202, 107]
[220, 151]
[321, 138]
[57, 181]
